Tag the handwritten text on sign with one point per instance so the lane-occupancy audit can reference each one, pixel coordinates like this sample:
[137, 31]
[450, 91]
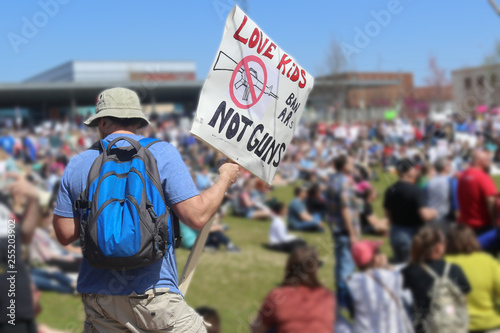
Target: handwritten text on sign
[252, 99]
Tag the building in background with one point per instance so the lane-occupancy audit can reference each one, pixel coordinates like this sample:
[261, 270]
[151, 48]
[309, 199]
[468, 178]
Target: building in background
[390, 90]
[70, 90]
[352, 96]
[430, 100]
[476, 87]
[170, 88]
[118, 71]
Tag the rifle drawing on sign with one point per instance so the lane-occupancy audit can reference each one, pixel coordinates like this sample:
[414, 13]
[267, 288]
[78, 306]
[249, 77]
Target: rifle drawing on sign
[226, 63]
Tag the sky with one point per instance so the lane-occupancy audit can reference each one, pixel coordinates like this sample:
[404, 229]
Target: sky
[457, 33]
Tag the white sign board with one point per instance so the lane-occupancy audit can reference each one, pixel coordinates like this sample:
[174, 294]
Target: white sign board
[252, 99]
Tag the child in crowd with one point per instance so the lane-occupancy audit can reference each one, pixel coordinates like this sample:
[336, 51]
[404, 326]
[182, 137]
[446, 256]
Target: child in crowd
[279, 238]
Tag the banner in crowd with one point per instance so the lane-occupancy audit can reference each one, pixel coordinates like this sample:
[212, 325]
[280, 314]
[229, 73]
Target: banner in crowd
[252, 99]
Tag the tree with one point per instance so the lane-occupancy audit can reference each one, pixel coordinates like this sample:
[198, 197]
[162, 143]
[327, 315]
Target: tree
[495, 6]
[438, 81]
[335, 61]
[329, 90]
[494, 57]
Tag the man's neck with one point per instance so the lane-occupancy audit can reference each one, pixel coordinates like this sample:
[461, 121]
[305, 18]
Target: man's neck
[123, 132]
[478, 167]
[117, 132]
[406, 180]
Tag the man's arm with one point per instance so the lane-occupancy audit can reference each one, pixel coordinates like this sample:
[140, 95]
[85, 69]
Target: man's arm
[196, 211]
[388, 215]
[305, 216]
[30, 219]
[67, 229]
[490, 192]
[427, 214]
[346, 216]
[23, 188]
[491, 204]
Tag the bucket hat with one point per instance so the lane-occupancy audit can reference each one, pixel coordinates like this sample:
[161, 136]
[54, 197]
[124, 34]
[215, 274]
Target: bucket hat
[118, 103]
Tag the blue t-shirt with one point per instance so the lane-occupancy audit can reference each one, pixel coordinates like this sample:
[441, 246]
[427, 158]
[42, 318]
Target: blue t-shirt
[341, 194]
[295, 209]
[31, 149]
[203, 182]
[177, 186]
[7, 143]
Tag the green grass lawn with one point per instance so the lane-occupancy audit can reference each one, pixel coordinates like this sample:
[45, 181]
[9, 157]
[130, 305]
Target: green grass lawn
[233, 283]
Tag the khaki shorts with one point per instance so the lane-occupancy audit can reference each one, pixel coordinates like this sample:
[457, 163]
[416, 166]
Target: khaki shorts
[159, 311]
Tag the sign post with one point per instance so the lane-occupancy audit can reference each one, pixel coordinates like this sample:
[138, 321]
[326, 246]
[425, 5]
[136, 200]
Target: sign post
[194, 257]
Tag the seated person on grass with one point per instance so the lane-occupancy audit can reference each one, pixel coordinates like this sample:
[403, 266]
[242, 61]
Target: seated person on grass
[215, 239]
[250, 206]
[299, 218]
[279, 238]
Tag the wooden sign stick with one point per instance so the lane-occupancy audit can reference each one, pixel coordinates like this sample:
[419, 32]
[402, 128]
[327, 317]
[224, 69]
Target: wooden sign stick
[194, 257]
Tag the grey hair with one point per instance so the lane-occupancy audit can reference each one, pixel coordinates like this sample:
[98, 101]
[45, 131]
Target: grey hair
[440, 164]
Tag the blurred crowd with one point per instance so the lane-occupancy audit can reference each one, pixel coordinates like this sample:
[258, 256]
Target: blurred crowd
[440, 212]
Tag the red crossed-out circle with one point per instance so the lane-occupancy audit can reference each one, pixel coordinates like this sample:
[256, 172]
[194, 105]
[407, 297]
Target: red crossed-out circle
[244, 62]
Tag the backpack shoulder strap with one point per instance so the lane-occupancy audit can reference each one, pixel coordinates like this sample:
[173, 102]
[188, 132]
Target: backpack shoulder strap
[177, 230]
[384, 286]
[100, 145]
[148, 142]
[429, 271]
[409, 327]
[446, 271]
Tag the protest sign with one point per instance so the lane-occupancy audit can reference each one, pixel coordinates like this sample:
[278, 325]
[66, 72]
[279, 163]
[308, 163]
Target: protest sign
[390, 114]
[252, 99]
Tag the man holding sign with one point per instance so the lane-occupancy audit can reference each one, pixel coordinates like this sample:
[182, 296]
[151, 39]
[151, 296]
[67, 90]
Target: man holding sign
[147, 298]
[252, 99]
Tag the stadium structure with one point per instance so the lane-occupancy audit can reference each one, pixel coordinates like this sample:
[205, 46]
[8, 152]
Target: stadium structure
[164, 87]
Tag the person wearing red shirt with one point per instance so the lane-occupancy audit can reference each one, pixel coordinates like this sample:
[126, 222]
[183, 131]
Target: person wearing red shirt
[477, 194]
[301, 303]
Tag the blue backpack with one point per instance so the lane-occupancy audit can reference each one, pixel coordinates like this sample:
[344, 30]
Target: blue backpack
[125, 222]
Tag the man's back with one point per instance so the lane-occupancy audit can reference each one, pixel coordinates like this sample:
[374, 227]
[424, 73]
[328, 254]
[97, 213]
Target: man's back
[403, 201]
[474, 186]
[341, 195]
[177, 186]
[438, 195]
[295, 209]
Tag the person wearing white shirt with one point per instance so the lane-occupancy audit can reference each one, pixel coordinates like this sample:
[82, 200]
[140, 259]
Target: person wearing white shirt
[377, 292]
[279, 238]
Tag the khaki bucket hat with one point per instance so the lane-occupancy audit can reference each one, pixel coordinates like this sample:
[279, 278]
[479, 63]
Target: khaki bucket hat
[118, 103]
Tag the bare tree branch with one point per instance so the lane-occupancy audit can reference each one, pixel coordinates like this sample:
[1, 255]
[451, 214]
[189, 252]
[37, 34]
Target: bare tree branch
[438, 80]
[495, 6]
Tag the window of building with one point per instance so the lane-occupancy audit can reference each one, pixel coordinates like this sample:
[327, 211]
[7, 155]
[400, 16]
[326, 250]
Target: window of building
[468, 83]
[480, 81]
